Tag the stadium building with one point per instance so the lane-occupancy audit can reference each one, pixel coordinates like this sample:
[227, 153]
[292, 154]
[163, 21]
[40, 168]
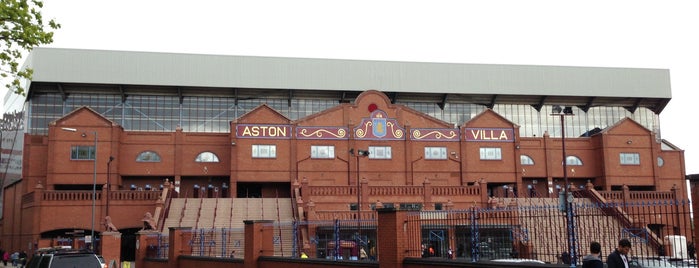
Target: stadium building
[103, 133]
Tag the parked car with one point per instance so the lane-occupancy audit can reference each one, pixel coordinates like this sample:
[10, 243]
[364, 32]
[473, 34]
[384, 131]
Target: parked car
[518, 260]
[64, 258]
[649, 263]
[683, 263]
[104, 264]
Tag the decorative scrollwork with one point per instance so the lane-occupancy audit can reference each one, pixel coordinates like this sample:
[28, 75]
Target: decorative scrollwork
[319, 133]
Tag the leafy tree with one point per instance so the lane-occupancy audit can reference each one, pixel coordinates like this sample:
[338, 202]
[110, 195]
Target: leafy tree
[22, 30]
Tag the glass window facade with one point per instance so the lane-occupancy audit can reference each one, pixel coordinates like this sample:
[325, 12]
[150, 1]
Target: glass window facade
[152, 112]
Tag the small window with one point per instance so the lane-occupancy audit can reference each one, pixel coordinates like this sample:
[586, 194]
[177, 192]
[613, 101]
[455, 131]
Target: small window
[630, 158]
[148, 156]
[80, 152]
[322, 152]
[525, 160]
[572, 160]
[264, 151]
[206, 157]
[661, 162]
[491, 153]
[435, 152]
[379, 152]
[410, 206]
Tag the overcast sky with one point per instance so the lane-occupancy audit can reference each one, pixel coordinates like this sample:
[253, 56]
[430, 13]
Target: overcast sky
[645, 34]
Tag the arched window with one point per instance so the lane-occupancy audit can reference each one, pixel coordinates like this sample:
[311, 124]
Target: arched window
[525, 160]
[206, 157]
[572, 160]
[148, 156]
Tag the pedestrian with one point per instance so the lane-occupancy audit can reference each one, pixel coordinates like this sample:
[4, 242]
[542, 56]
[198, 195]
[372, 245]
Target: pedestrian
[23, 258]
[619, 258]
[362, 254]
[450, 253]
[593, 260]
[565, 257]
[5, 257]
[14, 257]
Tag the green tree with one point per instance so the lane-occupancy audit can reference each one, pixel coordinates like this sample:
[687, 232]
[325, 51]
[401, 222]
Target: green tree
[22, 30]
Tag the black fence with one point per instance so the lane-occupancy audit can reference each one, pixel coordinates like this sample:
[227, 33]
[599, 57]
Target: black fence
[532, 228]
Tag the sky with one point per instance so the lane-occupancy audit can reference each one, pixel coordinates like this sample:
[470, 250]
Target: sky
[618, 33]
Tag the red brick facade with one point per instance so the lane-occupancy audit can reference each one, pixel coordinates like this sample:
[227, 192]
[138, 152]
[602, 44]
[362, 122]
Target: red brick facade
[327, 187]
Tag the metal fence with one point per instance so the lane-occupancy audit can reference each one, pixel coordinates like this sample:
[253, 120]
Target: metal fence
[535, 228]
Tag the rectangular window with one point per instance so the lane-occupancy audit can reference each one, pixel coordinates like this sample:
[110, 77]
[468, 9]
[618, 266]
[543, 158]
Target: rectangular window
[379, 152]
[630, 158]
[264, 151]
[435, 152]
[491, 153]
[438, 206]
[80, 152]
[410, 206]
[322, 152]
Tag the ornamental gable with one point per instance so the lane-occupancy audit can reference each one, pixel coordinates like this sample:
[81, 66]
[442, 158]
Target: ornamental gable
[626, 126]
[83, 116]
[489, 119]
[262, 114]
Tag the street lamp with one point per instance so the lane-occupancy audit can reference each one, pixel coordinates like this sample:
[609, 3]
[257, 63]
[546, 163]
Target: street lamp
[360, 153]
[109, 174]
[94, 184]
[566, 199]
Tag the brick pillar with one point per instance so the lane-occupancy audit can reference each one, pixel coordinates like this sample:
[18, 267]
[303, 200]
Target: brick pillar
[427, 195]
[484, 192]
[141, 247]
[178, 241]
[111, 248]
[364, 184]
[393, 238]
[259, 241]
[36, 222]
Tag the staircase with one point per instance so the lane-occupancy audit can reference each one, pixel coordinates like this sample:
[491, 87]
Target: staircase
[545, 228]
[225, 217]
[207, 212]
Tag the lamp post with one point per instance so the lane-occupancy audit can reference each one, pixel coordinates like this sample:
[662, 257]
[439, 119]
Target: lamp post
[109, 174]
[567, 197]
[360, 153]
[94, 184]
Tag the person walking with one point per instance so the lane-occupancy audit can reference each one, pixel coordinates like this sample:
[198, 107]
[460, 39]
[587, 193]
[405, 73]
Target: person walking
[593, 260]
[5, 257]
[362, 254]
[14, 257]
[23, 258]
[619, 258]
